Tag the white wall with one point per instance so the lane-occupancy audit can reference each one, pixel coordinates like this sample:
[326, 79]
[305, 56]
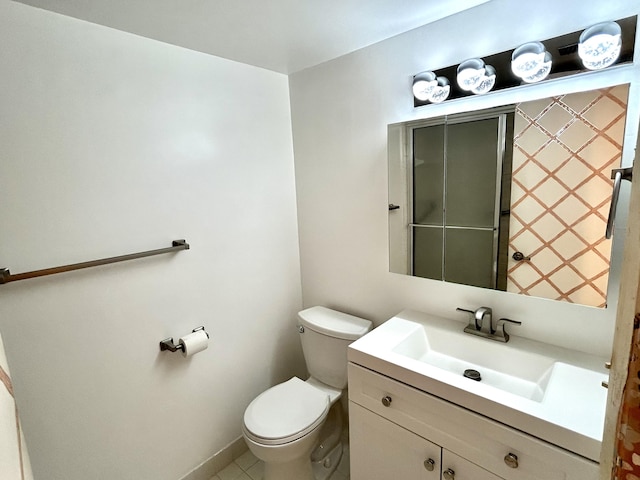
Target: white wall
[340, 113]
[111, 144]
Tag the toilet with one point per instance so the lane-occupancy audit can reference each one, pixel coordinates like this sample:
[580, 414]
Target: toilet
[295, 427]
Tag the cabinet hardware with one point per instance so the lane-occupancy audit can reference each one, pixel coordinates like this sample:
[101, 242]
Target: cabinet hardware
[607, 365]
[511, 460]
[449, 474]
[386, 400]
[605, 384]
[430, 464]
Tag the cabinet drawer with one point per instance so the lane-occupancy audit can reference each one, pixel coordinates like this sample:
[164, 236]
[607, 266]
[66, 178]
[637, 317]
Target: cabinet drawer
[476, 438]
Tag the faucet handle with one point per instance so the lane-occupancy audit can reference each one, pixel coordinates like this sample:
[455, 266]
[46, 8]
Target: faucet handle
[472, 318]
[500, 331]
[505, 320]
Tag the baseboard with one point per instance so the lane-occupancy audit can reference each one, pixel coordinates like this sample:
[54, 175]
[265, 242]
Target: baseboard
[218, 461]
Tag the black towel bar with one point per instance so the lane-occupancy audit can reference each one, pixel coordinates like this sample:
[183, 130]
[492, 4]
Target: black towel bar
[6, 276]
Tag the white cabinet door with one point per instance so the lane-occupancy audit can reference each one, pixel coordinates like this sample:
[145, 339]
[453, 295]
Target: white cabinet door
[381, 450]
[457, 468]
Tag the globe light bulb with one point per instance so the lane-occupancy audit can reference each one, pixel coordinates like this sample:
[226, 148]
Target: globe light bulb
[531, 62]
[600, 45]
[487, 81]
[470, 73]
[423, 85]
[441, 92]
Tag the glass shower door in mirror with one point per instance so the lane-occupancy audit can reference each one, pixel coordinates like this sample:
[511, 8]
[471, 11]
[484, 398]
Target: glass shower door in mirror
[457, 187]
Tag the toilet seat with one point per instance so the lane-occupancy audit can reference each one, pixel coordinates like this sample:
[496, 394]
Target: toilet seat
[285, 412]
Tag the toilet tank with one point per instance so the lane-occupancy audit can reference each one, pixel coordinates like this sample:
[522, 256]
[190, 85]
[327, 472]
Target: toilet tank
[325, 335]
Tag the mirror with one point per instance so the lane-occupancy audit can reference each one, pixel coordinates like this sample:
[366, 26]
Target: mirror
[513, 198]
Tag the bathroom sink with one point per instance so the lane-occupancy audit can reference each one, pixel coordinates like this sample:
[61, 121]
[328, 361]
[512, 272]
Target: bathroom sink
[551, 392]
[515, 371]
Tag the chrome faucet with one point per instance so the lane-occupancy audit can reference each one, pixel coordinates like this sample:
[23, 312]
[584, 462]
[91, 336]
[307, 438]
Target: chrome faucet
[481, 323]
[483, 319]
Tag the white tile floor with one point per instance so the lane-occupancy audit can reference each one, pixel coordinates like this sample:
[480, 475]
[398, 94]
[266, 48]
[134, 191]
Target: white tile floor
[248, 467]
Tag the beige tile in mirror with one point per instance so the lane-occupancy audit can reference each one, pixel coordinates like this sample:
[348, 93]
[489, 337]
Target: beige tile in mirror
[564, 150]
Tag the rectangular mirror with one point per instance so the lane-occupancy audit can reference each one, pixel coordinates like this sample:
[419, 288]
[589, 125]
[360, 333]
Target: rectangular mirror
[513, 198]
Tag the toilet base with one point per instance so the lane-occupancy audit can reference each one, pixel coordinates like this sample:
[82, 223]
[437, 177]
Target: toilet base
[323, 469]
[289, 461]
[328, 452]
[299, 469]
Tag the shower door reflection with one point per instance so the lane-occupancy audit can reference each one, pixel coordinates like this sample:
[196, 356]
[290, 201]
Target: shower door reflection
[459, 232]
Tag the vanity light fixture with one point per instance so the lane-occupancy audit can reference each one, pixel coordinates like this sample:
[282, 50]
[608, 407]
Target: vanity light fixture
[594, 48]
[531, 62]
[470, 73]
[423, 85]
[487, 81]
[600, 45]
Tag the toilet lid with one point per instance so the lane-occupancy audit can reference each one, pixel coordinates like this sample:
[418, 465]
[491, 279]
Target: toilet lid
[285, 412]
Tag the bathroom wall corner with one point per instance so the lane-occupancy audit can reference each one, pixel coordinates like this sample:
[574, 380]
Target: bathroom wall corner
[218, 461]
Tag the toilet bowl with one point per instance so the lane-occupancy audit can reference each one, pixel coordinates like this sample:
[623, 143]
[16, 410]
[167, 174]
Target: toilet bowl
[283, 425]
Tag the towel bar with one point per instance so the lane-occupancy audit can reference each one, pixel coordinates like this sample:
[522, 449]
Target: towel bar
[6, 276]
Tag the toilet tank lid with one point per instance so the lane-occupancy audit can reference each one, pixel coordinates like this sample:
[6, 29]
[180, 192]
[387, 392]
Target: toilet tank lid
[333, 323]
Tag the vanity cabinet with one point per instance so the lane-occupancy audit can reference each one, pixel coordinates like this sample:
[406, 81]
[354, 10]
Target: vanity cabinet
[395, 429]
[381, 449]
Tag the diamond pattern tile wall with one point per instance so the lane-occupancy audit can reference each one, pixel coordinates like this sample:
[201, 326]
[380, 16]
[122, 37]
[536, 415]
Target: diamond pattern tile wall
[564, 150]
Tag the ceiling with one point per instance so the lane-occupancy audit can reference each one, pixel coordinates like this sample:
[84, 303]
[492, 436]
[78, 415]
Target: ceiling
[280, 35]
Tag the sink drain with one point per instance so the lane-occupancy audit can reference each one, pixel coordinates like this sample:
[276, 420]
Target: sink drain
[472, 374]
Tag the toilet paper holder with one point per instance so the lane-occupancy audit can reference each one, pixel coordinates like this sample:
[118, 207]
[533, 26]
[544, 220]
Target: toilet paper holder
[167, 343]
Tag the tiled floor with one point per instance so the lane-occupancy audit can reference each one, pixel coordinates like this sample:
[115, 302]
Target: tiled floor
[248, 467]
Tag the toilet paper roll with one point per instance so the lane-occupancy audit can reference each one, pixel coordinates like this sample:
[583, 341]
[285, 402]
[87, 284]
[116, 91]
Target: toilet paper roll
[194, 342]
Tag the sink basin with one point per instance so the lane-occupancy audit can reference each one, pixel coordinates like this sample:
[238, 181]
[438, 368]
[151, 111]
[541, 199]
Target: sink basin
[551, 392]
[518, 372]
